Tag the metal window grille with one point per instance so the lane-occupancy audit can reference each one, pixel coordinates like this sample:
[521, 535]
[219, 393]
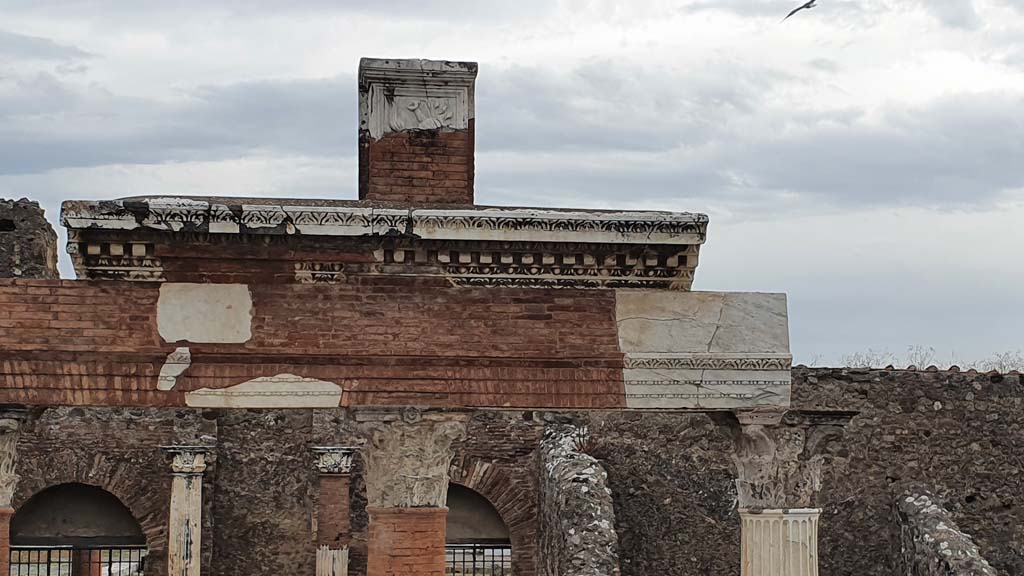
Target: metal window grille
[479, 559]
[77, 561]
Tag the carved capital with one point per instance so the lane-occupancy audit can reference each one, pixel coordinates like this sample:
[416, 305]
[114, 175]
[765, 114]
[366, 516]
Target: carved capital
[334, 459]
[407, 460]
[779, 456]
[11, 419]
[187, 460]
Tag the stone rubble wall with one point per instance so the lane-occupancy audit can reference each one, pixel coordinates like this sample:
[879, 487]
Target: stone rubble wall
[28, 244]
[956, 433]
[932, 544]
[577, 533]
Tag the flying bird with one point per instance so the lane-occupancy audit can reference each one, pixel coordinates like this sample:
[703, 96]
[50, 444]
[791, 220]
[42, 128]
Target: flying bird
[808, 6]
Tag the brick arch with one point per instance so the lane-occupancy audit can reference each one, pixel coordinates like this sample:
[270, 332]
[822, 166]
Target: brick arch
[514, 503]
[118, 478]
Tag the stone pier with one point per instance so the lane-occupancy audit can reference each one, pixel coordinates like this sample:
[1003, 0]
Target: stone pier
[407, 457]
[10, 425]
[184, 525]
[779, 457]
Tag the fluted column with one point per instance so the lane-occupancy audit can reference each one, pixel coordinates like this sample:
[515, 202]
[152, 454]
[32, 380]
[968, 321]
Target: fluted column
[184, 525]
[334, 464]
[407, 457]
[779, 542]
[779, 457]
[11, 419]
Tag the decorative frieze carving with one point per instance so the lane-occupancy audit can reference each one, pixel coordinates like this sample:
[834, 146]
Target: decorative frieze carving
[397, 95]
[699, 361]
[319, 272]
[407, 459]
[495, 224]
[779, 455]
[334, 459]
[11, 419]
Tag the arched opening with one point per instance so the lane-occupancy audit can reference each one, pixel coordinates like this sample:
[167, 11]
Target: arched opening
[76, 530]
[476, 537]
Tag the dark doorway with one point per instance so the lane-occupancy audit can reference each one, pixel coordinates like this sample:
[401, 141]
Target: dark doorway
[76, 530]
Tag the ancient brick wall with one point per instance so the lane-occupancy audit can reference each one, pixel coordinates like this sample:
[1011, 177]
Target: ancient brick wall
[404, 341]
[956, 433]
[28, 244]
[418, 167]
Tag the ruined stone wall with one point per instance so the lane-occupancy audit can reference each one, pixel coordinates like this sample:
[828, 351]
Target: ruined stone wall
[28, 244]
[260, 496]
[957, 433]
[117, 450]
[932, 545]
[577, 531]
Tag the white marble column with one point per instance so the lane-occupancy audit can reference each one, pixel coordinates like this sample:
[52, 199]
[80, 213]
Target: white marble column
[184, 525]
[779, 458]
[779, 542]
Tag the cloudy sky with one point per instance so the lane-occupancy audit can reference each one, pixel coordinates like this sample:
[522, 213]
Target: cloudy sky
[866, 157]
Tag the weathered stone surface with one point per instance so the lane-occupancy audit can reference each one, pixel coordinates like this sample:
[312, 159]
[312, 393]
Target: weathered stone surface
[779, 542]
[932, 544]
[577, 535]
[279, 391]
[674, 470]
[712, 350]
[211, 313]
[28, 244]
[10, 426]
[780, 455]
[264, 491]
[407, 458]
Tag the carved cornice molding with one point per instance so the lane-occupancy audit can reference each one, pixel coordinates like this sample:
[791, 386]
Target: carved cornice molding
[498, 224]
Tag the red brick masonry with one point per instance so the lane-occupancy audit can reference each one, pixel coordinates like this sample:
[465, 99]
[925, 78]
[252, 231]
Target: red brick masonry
[386, 341]
[418, 167]
[333, 511]
[406, 542]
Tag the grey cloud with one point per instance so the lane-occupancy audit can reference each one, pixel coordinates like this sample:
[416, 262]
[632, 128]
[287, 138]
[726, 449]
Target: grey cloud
[46, 123]
[954, 13]
[20, 46]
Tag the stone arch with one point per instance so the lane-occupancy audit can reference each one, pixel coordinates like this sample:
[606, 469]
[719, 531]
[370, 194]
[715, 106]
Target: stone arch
[514, 503]
[116, 475]
[75, 514]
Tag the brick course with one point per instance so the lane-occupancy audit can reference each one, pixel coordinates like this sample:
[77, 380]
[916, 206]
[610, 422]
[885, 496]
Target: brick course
[418, 167]
[406, 542]
[387, 341]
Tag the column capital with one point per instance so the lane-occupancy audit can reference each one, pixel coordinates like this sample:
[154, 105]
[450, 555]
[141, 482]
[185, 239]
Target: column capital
[331, 460]
[779, 454]
[187, 460]
[407, 456]
[11, 419]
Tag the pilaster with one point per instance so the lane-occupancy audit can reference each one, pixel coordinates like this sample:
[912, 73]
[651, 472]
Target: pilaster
[184, 529]
[11, 419]
[334, 464]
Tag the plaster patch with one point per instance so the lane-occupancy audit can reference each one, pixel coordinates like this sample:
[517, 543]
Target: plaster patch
[280, 391]
[177, 362]
[205, 313]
